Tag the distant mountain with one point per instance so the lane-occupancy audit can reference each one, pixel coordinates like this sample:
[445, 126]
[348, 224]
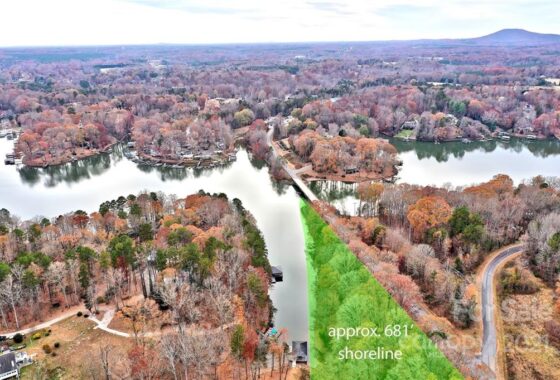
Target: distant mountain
[514, 37]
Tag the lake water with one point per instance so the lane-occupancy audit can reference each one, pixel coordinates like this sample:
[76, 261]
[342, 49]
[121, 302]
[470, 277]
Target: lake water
[30, 192]
[458, 164]
[463, 164]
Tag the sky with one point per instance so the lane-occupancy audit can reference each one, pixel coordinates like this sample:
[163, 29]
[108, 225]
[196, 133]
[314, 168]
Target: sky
[120, 22]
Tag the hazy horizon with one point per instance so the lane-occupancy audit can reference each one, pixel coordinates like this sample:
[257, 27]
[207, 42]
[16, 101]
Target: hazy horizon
[61, 23]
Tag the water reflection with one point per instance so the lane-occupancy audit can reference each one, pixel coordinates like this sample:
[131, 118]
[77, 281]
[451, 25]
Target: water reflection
[85, 184]
[456, 163]
[98, 165]
[444, 151]
[341, 195]
[332, 190]
[461, 164]
[69, 173]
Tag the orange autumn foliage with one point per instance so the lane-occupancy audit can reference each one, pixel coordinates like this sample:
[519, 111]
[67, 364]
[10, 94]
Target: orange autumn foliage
[428, 212]
[195, 231]
[370, 191]
[497, 186]
[174, 226]
[121, 225]
[195, 201]
[201, 239]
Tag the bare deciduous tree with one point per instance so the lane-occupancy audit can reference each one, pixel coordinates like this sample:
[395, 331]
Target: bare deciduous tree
[11, 290]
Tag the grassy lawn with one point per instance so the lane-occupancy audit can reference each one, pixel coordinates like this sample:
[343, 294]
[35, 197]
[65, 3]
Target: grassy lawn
[404, 134]
[77, 353]
[344, 296]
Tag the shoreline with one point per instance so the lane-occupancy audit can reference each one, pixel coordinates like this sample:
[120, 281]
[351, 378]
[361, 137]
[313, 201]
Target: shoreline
[349, 178]
[209, 162]
[493, 137]
[213, 161]
[230, 156]
[88, 153]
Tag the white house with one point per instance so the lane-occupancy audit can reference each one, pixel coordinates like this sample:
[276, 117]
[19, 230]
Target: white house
[8, 366]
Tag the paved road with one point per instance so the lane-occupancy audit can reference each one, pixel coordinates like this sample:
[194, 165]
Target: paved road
[293, 173]
[489, 341]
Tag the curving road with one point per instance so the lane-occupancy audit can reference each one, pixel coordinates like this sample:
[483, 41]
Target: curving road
[489, 340]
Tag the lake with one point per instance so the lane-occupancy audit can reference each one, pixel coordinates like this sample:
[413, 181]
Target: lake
[30, 192]
[457, 164]
[461, 164]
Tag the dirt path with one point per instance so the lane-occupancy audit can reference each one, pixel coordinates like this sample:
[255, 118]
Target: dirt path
[43, 325]
[103, 324]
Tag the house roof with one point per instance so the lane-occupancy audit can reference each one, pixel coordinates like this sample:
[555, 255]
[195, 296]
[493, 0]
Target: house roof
[7, 363]
[299, 348]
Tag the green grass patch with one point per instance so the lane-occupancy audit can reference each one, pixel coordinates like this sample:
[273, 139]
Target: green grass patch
[344, 298]
[404, 134]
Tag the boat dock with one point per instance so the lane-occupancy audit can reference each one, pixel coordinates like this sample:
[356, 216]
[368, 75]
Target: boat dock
[277, 275]
[299, 352]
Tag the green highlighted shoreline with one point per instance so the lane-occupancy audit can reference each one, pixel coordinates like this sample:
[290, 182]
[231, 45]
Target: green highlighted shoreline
[356, 329]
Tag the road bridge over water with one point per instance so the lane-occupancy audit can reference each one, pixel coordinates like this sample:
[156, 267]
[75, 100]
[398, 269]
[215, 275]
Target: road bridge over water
[299, 184]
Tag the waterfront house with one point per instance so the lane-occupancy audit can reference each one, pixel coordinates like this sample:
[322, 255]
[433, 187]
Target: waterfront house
[450, 119]
[299, 351]
[409, 125]
[277, 274]
[351, 170]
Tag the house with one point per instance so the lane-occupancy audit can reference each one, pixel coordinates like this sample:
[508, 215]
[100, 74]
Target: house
[8, 366]
[351, 170]
[204, 145]
[23, 359]
[553, 81]
[529, 112]
[287, 121]
[410, 125]
[451, 119]
[154, 153]
[524, 128]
